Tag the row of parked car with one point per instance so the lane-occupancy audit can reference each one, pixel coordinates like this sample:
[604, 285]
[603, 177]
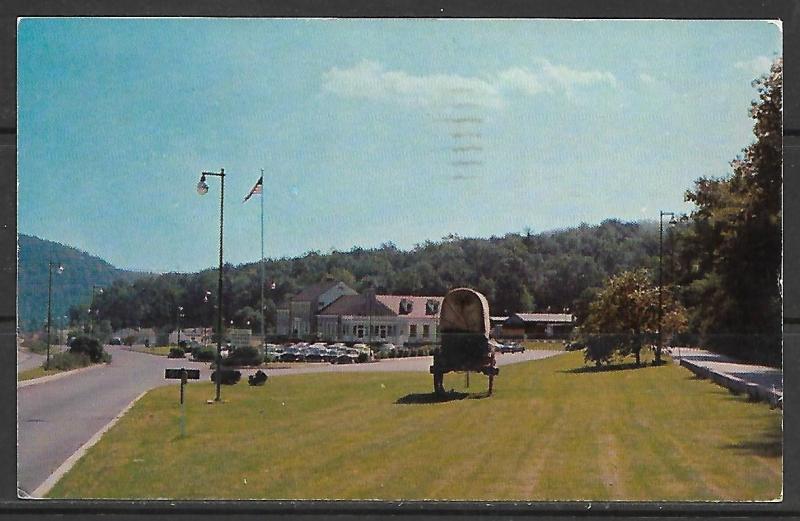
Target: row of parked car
[508, 347]
[337, 353]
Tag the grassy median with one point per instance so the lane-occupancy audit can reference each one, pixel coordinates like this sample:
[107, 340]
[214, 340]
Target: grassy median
[36, 372]
[554, 430]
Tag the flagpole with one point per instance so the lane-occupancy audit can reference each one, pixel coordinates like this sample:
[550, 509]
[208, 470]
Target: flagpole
[263, 326]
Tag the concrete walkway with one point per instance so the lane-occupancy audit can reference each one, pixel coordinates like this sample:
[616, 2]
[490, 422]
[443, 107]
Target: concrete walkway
[761, 381]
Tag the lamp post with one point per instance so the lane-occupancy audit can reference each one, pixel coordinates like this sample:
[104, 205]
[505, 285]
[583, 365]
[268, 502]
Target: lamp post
[661, 216]
[202, 189]
[180, 314]
[95, 288]
[60, 269]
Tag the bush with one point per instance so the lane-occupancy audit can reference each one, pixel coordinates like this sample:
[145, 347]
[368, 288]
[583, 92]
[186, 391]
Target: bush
[245, 355]
[228, 376]
[362, 357]
[89, 346]
[601, 348]
[37, 346]
[393, 353]
[66, 361]
[204, 354]
[176, 352]
[129, 340]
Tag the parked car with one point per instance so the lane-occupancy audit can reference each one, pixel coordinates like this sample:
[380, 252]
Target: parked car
[291, 354]
[516, 347]
[116, 341]
[387, 347]
[313, 354]
[345, 359]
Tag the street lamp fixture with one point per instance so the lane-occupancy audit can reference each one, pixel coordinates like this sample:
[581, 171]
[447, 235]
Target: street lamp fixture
[202, 189]
[672, 221]
[59, 270]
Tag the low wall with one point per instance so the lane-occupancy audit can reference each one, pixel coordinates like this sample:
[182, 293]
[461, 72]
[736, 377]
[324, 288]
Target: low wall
[754, 391]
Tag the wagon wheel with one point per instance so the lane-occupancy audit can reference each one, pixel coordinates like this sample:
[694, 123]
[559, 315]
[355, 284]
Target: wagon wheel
[438, 383]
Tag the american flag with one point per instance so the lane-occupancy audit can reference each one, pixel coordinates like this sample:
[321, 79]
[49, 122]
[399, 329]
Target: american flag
[256, 189]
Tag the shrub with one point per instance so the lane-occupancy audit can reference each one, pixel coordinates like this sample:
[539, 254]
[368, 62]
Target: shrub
[176, 352]
[362, 357]
[228, 376]
[37, 346]
[67, 360]
[393, 353]
[204, 354]
[88, 345]
[129, 340]
[245, 355]
[601, 348]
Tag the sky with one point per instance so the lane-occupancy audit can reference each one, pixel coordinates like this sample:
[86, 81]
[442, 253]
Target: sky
[368, 131]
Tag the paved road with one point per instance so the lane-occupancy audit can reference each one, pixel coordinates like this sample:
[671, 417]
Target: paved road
[758, 374]
[28, 360]
[56, 418]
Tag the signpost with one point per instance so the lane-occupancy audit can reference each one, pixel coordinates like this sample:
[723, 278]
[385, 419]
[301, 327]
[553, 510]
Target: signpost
[183, 375]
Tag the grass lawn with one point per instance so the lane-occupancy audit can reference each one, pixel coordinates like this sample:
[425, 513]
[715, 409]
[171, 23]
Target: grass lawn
[158, 350]
[554, 430]
[36, 372]
[541, 345]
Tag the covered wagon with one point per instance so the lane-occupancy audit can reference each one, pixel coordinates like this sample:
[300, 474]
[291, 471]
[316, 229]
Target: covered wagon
[464, 331]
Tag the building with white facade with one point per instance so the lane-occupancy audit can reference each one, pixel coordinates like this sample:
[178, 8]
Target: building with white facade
[399, 319]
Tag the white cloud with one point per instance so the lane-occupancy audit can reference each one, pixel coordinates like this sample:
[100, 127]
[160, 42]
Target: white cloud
[755, 67]
[569, 78]
[371, 80]
[646, 78]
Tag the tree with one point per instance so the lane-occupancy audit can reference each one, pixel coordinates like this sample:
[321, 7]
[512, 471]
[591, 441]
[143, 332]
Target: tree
[731, 250]
[627, 307]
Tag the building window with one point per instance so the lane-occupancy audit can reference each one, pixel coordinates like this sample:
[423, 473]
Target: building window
[382, 330]
[354, 330]
[360, 331]
[412, 330]
[426, 330]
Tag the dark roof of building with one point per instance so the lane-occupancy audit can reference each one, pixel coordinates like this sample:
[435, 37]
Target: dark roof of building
[357, 305]
[313, 291]
[417, 306]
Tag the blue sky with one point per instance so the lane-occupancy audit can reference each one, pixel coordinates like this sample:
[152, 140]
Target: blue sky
[368, 131]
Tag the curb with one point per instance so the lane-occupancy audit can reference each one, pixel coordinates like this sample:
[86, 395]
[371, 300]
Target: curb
[53, 478]
[753, 390]
[62, 374]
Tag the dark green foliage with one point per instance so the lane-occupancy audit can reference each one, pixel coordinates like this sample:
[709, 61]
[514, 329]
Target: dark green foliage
[362, 357]
[259, 378]
[227, 376]
[517, 272]
[38, 346]
[68, 360]
[204, 354]
[244, 356]
[176, 352]
[728, 253]
[89, 346]
[601, 348]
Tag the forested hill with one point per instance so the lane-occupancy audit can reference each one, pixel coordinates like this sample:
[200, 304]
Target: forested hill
[73, 286]
[516, 272]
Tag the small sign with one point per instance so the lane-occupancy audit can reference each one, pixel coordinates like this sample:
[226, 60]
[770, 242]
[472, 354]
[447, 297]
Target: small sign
[178, 374]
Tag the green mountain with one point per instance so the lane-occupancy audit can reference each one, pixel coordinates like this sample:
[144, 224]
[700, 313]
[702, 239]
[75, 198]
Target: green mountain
[71, 287]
